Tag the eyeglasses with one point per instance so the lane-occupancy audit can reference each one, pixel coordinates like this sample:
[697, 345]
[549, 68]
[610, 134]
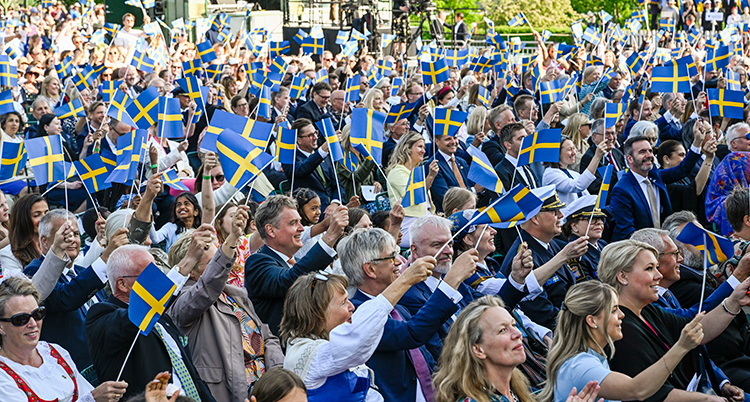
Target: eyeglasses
[676, 254]
[315, 134]
[219, 178]
[390, 257]
[21, 319]
[319, 276]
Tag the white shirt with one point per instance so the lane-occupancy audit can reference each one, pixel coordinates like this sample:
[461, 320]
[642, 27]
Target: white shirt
[671, 119]
[529, 181]
[323, 244]
[8, 261]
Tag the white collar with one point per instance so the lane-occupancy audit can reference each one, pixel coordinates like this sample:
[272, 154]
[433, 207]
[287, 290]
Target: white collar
[512, 160]
[285, 257]
[445, 156]
[545, 245]
[640, 178]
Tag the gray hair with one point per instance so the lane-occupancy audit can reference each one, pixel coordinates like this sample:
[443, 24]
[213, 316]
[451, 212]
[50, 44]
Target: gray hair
[735, 131]
[121, 262]
[597, 126]
[654, 237]
[597, 107]
[38, 101]
[361, 246]
[642, 127]
[418, 229]
[270, 211]
[49, 219]
[673, 222]
[116, 220]
[668, 97]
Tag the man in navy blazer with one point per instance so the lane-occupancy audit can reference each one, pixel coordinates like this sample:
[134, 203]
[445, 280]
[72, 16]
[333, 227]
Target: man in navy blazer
[272, 270]
[316, 109]
[670, 126]
[511, 136]
[401, 363]
[498, 117]
[446, 177]
[66, 288]
[313, 168]
[630, 203]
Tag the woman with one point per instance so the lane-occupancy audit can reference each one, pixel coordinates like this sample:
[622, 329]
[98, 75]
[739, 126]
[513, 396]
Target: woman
[458, 199]
[648, 331]
[279, 385]
[571, 185]
[29, 89]
[689, 192]
[246, 245]
[229, 88]
[76, 198]
[356, 170]
[186, 214]
[646, 129]
[445, 96]
[226, 336]
[480, 356]
[12, 125]
[475, 125]
[50, 90]
[4, 221]
[578, 130]
[359, 218]
[591, 85]
[23, 232]
[581, 219]
[328, 343]
[374, 100]
[35, 370]
[587, 325]
[406, 157]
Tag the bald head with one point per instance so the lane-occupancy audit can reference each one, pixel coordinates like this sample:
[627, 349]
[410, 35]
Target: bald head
[337, 100]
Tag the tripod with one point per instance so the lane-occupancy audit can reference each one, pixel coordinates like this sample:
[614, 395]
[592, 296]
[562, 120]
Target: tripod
[435, 26]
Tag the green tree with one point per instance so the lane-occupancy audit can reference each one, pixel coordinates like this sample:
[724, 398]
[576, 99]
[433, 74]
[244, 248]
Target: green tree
[619, 9]
[540, 13]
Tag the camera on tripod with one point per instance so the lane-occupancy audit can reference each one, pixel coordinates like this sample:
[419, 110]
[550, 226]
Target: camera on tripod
[423, 6]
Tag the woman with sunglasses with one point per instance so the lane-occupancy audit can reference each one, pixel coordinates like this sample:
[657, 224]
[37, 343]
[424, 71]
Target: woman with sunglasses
[328, 343]
[33, 370]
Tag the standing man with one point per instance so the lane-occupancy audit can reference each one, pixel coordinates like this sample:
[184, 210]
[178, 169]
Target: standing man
[316, 109]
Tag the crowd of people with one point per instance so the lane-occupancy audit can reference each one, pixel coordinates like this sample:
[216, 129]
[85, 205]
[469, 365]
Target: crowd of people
[331, 278]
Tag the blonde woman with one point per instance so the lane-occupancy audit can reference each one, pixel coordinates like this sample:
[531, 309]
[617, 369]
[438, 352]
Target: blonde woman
[591, 85]
[475, 125]
[578, 130]
[50, 90]
[374, 100]
[480, 356]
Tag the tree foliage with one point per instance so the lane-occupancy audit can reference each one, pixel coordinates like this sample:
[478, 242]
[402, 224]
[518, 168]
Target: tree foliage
[620, 9]
[540, 13]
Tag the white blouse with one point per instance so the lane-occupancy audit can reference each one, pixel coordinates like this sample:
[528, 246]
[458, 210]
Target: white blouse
[48, 381]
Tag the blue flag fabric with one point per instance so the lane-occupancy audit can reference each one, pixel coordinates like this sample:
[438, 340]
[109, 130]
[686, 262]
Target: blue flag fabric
[93, 173]
[416, 192]
[13, 159]
[149, 298]
[481, 171]
[715, 248]
[542, 146]
[367, 129]
[326, 130]
[240, 158]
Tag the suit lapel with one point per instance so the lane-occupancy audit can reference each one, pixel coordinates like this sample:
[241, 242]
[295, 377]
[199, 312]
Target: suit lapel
[638, 192]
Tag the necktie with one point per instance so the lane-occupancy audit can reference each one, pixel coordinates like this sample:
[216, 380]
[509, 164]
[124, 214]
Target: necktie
[323, 181]
[612, 161]
[652, 203]
[420, 366]
[457, 173]
[291, 261]
[671, 300]
[179, 367]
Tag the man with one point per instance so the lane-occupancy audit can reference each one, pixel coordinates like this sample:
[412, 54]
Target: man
[460, 30]
[737, 137]
[670, 126]
[738, 215]
[127, 36]
[339, 109]
[395, 132]
[401, 363]
[111, 333]
[612, 86]
[272, 270]
[39, 108]
[95, 113]
[313, 168]
[68, 288]
[497, 118]
[130, 81]
[453, 170]
[109, 141]
[640, 199]
[613, 157]
[637, 113]
[539, 233]
[328, 63]
[511, 136]
[525, 108]
[730, 349]
[316, 109]
[280, 102]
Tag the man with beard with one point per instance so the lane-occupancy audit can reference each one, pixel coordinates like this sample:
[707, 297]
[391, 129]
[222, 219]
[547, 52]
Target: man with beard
[730, 349]
[639, 199]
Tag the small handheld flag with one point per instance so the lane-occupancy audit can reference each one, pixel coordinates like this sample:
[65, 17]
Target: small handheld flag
[171, 179]
[149, 297]
[716, 249]
[326, 129]
[448, 121]
[542, 146]
[481, 171]
[93, 173]
[416, 193]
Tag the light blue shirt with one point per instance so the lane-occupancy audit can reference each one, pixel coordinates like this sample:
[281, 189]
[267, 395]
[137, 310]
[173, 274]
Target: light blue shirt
[578, 371]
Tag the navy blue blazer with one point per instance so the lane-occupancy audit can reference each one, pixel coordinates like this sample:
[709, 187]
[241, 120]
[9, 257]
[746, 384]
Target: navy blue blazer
[493, 149]
[306, 175]
[446, 179]
[505, 171]
[268, 277]
[310, 111]
[544, 308]
[388, 146]
[668, 130]
[289, 116]
[589, 262]
[391, 362]
[629, 205]
[66, 314]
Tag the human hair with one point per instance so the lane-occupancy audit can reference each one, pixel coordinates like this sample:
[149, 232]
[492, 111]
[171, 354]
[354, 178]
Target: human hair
[381, 219]
[116, 220]
[522, 102]
[4, 119]
[355, 215]
[21, 231]
[282, 91]
[443, 93]
[573, 129]
[460, 372]
[573, 334]
[301, 123]
[735, 131]
[474, 95]
[673, 222]
[627, 146]
[361, 246]
[506, 134]
[402, 152]
[642, 128]
[475, 122]
[235, 100]
[179, 249]
[303, 196]
[597, 126]
[276, 384]
[493, 116]
[736, 206]
[49, 219]
[43, 90]
[226, 82]
[421, 228]
[270, 211]
[121, 261]
[597, 107]
[223, 210]
[45, 121]
[39, 100]
[455, 198]
[192, 200]
[126, 15]
[619, 257]
[666, 149]
[321, 86]
[587, 74]
[306, 304]
[12, 287]
[653, 237]
[94, 105]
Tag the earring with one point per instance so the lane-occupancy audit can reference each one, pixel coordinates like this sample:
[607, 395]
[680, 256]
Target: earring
[596, 327]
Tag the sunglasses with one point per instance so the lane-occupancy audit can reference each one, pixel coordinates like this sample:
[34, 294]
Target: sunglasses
[219, 178]
[21, 319]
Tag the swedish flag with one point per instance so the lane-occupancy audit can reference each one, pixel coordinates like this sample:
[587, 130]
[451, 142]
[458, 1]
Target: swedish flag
[213, 71]
[518, 20]
[170, 118]
[592, 36]
[65, 68]
[716, 249]
[256, 132]
[278, 48]
[107, 89]
[240, 158]
[448, 121]
[171, 179]
[191, 68]
[356, 35]
[191, 86]
[435, 72]
[606, 173]
[142, 62]
[73, 108]
[733, 81]
[483, 95]
[130, 148]
[278, 65]
[552, 91]
[264, 103]
[353, 87]
[481, 171]
[342, 37]
[326, 129]
[456, 58]
[312, 45]
[367, 129]
[321, 76]
[84, 78]
[299, 86]
[286, 141]
[634, 63]
[725, 103]
[386, 40]
[385, 67]
[93, 173]
[6, 102]
[612, 113]
[206, 52]
[300, 36]
[400, 111]
[350, 162]
[143, 109]
[718, 58]
[118, 108]
[396, 85]
[672, 78]
[349, 48]
[46, 159]
[13, 159]
[542, 146]
[149, 297]
[513, 208]
[416, 192]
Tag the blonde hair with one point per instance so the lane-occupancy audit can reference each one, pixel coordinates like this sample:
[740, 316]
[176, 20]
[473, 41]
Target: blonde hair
[180, 248]
[369, 98]
[16, 286]
[46, 82]
[455, 198]
[402, 153]
[461, 373]
[573, 335]
[619, 257]
[573, 130]
[475, 122]
[306, 304]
